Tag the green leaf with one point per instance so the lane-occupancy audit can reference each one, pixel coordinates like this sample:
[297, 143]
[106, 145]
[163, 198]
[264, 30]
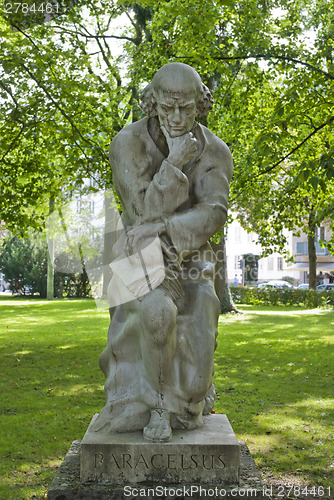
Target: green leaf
[314, 181]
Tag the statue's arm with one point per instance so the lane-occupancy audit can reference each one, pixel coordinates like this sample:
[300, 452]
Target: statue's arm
[169, 188]
[190, 229]
[144, 197]
[167, 191]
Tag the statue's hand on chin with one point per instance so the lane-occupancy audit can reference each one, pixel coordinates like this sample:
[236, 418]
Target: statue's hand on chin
[182, 149]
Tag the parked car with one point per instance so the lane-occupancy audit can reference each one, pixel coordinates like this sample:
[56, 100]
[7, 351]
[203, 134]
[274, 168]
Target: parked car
[276, 284]
[262, 285]
[329, 286]
[303, 286]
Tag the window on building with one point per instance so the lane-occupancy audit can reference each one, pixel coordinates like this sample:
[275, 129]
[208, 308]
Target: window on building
[237, 259]
[270, 263]
[319, 233]
[84, 206]
[319, 250]
[280, 263]
[302, 248]
[237, 233]
[93, 183]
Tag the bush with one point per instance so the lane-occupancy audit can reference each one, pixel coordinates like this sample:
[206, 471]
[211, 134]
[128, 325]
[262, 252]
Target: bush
[23, 261]
[72, 285]
[279, 297]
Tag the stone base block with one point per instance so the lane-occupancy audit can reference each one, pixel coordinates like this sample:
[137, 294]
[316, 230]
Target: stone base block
[210, 454]
[66, 485]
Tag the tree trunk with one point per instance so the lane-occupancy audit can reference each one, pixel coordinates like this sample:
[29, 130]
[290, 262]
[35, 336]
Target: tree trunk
[312, 256]
[50, 260]
[221, 279]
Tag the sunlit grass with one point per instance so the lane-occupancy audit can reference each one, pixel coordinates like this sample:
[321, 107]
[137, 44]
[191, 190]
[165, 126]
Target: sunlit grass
[51, 386]
[274, 379]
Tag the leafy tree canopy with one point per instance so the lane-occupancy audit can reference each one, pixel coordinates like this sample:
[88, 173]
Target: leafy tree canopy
[65, 94]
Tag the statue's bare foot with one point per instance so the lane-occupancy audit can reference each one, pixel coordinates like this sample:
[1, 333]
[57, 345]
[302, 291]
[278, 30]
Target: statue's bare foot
[209, 400]
[158, 428]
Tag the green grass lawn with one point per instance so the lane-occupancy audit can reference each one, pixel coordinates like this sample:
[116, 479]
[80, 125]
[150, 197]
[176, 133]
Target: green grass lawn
[274, 379]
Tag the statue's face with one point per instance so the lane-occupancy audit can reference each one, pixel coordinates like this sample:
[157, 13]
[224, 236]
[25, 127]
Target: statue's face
[176, 112]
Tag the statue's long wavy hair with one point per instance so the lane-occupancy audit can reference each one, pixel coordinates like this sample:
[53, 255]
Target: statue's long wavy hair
[148, 102]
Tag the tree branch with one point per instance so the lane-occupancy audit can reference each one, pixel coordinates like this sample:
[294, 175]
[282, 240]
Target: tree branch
[269, 169]
[89, 67]
[139, 35]
[10, 93]
[27, 36]
[89, 35]
[328, 122]
[105, 58]
[12, 144]
[282, 58]
[231, 83]
[34, 45]
[65, 115]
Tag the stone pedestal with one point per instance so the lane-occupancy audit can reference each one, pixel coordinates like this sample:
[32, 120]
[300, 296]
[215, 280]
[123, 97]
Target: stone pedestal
[66, 485]
[207, 455]
[206, 462]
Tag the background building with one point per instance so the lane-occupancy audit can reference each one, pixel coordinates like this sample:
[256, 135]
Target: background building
[275, 266]
[325, 261]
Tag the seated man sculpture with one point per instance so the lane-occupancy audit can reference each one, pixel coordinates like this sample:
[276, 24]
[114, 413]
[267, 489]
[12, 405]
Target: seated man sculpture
[172, 177]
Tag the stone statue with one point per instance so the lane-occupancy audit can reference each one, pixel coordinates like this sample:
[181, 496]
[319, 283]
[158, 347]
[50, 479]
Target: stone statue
[172, 177]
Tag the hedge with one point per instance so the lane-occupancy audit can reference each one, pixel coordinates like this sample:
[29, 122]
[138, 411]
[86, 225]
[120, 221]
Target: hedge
[282, 297]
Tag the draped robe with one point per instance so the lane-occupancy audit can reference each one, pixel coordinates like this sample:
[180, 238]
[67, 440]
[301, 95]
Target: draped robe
[192, 205]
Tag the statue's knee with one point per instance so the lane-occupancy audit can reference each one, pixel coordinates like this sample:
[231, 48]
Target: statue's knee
[159, 315]
[197, 389]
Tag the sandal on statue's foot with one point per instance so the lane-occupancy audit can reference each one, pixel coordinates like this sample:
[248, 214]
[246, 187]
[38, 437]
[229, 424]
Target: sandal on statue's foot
[158, 428]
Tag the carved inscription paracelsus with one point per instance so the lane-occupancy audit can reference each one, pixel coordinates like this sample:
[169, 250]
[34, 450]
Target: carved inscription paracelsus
[167, 461]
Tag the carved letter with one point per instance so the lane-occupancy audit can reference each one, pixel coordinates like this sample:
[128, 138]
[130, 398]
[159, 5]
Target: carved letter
[221, 461]
[194, 461]
[152, 461]
[126, 458]
[141, 460]
[170, 460]
[182, 463]
[98, 459]
[203, 459]
[114, 459]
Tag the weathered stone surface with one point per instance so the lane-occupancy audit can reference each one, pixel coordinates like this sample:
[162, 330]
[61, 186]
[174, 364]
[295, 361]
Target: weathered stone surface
[172, 177]
[67, 485]
[206, 455]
